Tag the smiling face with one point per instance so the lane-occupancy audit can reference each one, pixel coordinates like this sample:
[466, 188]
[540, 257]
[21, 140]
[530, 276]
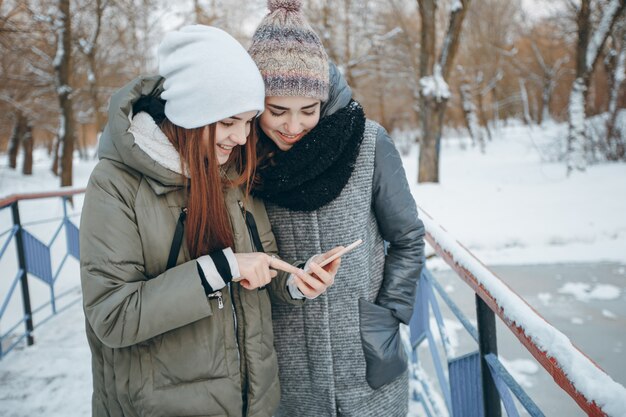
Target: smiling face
[229, 133]
[286, 120]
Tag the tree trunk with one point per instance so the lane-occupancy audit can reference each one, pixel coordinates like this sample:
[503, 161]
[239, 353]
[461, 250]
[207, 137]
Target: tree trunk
[546, 98]
[471, 119]
[63, 73]
[16, 138]
[55, 156]
[429, 156]
[587, 52]
[483, 117]
[616, 146]
[431, 140]
[525, 106]
[27, 146]
[434, 101]
[347, 51]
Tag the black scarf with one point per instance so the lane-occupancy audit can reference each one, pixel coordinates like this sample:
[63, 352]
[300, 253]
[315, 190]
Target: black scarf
[316, 169]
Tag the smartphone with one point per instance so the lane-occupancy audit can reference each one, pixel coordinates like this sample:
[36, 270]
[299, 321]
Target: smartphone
[341, 252]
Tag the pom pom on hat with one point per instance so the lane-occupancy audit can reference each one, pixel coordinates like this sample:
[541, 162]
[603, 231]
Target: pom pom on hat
[209, 76]
[288, 5]
[289, 53]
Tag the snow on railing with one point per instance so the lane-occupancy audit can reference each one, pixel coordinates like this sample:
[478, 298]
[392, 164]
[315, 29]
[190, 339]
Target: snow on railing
[594, 391]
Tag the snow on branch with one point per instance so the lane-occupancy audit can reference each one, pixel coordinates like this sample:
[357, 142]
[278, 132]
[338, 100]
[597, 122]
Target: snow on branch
[435, 86]
[601, 33]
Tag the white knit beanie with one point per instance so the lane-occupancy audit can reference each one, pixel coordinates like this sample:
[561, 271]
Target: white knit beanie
[209, 76]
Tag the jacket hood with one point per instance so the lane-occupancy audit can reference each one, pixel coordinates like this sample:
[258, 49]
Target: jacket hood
[340, 92]
[118, 144]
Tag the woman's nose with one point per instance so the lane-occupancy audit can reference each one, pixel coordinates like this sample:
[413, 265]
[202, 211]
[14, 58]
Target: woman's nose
[293, 125]
[240, 136]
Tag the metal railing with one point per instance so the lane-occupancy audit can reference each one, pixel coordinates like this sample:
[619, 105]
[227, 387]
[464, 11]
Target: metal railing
[477, 384]
[34, 259]
[474, 384]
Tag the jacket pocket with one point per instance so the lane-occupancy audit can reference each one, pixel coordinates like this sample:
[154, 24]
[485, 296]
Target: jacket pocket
[192, 353]
[385, 357]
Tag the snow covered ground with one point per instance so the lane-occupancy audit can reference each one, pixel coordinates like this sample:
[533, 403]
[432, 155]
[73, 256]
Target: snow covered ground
[513, 205]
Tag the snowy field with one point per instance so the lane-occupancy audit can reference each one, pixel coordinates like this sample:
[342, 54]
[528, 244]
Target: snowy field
[513, 205]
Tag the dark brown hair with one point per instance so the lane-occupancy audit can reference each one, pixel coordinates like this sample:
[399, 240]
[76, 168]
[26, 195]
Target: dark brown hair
[265, 151]
[208, 226]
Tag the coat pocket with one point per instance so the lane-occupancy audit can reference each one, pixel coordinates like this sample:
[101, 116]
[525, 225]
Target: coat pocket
[189, 354]
[385, 357]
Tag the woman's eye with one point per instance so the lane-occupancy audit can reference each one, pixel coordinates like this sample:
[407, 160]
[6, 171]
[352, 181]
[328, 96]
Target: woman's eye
[309, 113]
[227, 124]
[276, 114]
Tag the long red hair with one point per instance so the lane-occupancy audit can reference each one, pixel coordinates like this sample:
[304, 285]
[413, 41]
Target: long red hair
[207, 225]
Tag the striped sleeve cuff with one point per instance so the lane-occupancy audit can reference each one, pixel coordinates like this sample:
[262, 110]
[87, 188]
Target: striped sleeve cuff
[232, 261]
[217, 269]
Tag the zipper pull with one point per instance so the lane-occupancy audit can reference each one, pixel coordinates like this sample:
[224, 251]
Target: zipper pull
[220, 300]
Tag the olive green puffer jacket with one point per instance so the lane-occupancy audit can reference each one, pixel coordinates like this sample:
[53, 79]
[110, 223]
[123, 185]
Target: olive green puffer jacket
[160, 346]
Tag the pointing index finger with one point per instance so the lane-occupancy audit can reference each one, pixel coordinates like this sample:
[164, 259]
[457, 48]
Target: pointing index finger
[276, 263]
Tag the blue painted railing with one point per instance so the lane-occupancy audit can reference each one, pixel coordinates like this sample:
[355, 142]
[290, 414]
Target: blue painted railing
[34, 260]
[461, 386]
[477, 384]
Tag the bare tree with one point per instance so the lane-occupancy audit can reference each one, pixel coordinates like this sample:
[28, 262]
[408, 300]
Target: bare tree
[588, 48]
[88, 46]
[435, 92]
[63, 69]
[616, 63]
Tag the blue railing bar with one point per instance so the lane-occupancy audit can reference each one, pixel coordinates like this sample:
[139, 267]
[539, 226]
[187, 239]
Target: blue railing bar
[52, 300]
[37, 222]
[427, 393]
[54, 237]
[447, 347]
[505, 394]
[58, 271]
[426, 402]
[496, 367]
[419, 396]
[471, 329]
[17, 341]
[443, 381]
[48, 303]
[50, 316]
[5, 303]
[9, 230]
[14, 230]
[15, 326]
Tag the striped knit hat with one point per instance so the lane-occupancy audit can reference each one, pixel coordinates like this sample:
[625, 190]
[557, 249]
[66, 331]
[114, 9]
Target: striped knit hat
[289, 54]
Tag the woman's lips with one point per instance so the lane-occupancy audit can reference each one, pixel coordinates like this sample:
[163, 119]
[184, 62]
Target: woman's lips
[289, 139]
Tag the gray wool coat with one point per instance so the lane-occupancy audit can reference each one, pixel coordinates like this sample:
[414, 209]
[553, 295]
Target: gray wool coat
[340, 354]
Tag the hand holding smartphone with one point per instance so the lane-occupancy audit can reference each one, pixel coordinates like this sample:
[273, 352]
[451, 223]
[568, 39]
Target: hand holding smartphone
[341, 252]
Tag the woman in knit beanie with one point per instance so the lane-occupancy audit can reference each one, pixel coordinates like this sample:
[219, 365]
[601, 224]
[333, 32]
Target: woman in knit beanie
[329, 176]
[172, 265]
